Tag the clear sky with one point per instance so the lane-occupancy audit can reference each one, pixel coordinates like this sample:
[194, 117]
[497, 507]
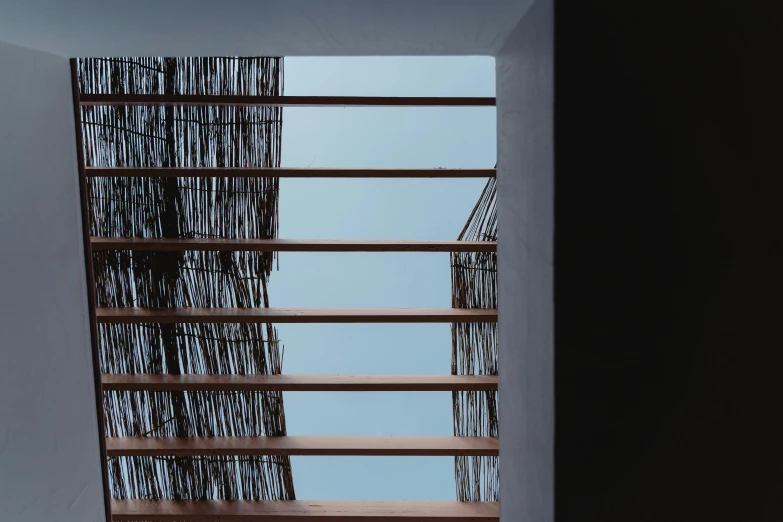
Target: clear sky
[376, 209]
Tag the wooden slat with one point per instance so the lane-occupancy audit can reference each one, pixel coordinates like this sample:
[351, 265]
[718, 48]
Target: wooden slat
[377, 383]
[289, 245]
[285, 101]
[309, 510]
[284, 172]
[295, 315]
[302, 445]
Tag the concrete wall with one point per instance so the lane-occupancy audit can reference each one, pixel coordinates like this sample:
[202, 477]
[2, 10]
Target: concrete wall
[49, 457]
[525, 104]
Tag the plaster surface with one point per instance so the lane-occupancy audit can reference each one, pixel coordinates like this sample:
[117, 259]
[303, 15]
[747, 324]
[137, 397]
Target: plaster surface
[525, 105]
[268, 28]
[49, 451]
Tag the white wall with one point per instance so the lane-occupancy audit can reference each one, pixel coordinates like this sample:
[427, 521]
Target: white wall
[49, 451]
[525, 111]
[254, 27]
[49, 456]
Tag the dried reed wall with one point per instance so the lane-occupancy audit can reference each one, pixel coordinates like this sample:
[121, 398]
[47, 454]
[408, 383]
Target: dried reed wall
[187, 208]
[475, 349]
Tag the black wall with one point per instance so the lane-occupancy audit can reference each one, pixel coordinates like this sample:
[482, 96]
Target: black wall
[668, 253]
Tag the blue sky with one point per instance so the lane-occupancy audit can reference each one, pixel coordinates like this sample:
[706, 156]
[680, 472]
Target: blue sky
[376, 209]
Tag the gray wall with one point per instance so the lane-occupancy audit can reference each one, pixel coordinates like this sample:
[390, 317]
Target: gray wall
[525, 103]
[49, 457]
[268, 28]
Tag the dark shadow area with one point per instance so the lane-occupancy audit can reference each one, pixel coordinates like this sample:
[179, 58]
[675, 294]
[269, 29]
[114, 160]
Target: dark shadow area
[668, 256]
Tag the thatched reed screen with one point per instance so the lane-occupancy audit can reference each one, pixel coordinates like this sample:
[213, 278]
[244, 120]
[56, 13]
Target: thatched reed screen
[187, 208]
[475, 349]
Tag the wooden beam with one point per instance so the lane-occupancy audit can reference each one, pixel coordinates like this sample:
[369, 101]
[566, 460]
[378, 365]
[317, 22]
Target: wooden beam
[288, 245]
[90, 282]
[372, 383]
[285, 101]
[302, 445]
[295, 315]
[284, 172]
[309, 510]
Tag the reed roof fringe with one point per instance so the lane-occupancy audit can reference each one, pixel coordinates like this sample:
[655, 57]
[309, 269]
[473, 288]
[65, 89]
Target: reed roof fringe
[187, 208]
[475, 349]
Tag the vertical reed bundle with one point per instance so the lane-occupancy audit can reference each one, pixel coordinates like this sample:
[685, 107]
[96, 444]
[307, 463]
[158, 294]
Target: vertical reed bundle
[475, 349]
[225, 136]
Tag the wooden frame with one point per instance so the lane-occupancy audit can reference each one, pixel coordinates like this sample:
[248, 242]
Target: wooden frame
[295, 315]
[284, 172]
[308, 510]
[90, 280]
[289, 383]
[287, 245]
[285, 101]
[303, 445]
[281, 511]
